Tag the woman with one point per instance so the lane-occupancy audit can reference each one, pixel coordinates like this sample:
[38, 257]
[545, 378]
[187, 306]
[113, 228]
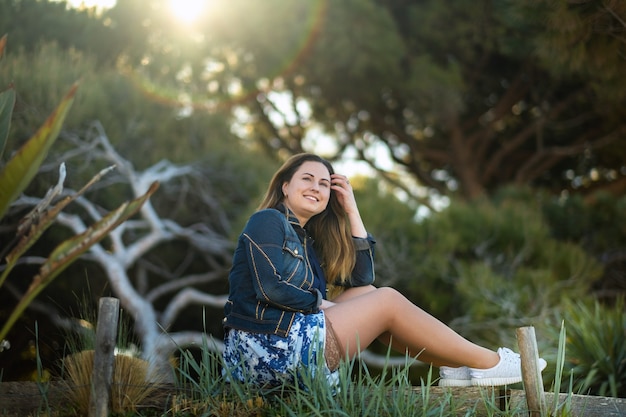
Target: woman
[307, 237]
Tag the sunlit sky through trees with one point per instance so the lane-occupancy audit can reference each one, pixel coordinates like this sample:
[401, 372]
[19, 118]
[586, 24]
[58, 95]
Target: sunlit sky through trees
[100, 4]
[184, 10]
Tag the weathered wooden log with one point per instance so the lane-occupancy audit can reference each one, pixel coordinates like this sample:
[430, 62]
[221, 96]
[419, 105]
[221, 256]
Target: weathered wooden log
[23, 398]
[104, 357]
[531, 374]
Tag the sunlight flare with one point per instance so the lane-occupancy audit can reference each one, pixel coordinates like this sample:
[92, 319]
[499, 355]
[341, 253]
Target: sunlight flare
[187, 10]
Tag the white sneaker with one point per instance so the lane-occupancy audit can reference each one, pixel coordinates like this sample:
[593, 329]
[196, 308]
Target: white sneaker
[454, 377]
[507, 371]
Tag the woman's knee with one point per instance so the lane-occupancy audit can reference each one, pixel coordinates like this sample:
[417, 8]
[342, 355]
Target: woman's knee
[390, 294]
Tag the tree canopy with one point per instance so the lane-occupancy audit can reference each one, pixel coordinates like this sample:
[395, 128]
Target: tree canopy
[462, 98]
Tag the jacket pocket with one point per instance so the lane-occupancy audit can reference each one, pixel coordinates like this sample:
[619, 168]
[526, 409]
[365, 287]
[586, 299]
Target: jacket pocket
[294, 262]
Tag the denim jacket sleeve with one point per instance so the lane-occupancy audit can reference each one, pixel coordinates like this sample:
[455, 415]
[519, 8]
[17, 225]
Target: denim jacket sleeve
[278, 267]
[363, 272]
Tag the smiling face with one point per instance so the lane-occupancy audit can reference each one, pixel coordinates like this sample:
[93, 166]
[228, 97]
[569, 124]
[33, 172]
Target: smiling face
[308, 191]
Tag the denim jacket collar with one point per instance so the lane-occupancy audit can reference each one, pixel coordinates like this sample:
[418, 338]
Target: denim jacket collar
[293, 220]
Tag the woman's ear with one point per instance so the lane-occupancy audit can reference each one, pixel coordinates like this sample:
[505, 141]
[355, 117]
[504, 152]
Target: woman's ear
[284, 189]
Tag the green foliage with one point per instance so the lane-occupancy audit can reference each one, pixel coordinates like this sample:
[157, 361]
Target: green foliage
[7, 101]
[144, 122]
[392, 222]
[599, 223]
[19, 171]
[32, 21]
[69, 250]
[596, 353]
[41, 82]
[558, 375]
[584, 39]
[467, 97]
[489, 266]
[226, 174]
[370, 61]
[15, 176]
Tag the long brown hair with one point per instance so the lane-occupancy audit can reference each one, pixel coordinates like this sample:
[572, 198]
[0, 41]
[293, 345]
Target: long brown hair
[330, 229]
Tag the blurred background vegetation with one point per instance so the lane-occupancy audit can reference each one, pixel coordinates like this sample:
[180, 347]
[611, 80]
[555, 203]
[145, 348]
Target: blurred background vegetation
[487, 142]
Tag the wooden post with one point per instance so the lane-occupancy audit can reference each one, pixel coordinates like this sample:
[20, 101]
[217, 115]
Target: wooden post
[104, 356]
[531, 374]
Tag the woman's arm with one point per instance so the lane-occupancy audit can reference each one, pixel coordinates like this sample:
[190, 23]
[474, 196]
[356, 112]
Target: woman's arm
[363, 272]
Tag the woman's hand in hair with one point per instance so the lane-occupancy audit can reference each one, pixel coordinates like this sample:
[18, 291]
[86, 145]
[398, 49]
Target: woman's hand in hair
[341, 186]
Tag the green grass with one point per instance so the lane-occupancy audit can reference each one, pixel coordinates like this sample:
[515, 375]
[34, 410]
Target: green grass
[202, 389]
[389, 392]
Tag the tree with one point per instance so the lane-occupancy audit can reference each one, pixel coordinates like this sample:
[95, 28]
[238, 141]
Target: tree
[29, 22]
[463, 98]
[15, 176]
[458, 99]
[118, 257]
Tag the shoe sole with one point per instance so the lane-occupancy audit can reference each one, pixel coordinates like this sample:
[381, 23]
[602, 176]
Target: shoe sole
[494, 382]
[448, 382]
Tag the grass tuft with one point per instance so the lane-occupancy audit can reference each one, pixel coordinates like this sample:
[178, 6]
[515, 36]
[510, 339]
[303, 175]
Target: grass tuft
[129, 388]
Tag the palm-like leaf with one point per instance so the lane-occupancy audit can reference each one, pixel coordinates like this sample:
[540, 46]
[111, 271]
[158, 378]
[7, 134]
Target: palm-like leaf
[69, 250]
[21, 169]
[7, 101]
[31, 229]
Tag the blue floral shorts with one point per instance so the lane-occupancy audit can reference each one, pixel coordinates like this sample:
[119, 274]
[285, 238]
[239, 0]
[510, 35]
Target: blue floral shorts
[268, 359]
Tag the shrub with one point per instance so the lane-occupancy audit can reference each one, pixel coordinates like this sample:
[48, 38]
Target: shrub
[487, 267]
[129, 385]
[16, 175]
[595, 348]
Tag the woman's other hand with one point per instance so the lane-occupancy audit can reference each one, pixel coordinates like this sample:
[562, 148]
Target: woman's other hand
[345, 195]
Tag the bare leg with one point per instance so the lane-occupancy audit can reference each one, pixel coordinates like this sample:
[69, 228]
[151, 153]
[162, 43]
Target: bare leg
[362, 315]
[385, 338]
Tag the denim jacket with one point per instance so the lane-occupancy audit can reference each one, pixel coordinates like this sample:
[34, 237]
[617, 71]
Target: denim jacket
[275, 275]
